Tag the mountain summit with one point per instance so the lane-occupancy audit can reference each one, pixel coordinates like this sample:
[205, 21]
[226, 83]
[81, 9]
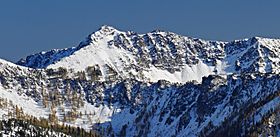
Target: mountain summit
[161, 55]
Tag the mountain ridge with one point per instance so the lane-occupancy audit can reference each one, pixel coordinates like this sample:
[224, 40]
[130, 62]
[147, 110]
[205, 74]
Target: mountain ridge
[110, 29]
[155, 84]
[159, 52]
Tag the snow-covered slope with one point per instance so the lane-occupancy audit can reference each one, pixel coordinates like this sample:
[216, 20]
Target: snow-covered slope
[161, 55]
[134, 108]
[154, 84]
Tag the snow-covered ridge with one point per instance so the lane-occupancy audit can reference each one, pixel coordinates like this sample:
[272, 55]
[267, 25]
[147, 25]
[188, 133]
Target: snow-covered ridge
[161, 108]
[162, 55]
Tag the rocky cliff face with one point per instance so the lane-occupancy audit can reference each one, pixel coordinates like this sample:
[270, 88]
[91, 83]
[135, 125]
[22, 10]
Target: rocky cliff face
[154, 84]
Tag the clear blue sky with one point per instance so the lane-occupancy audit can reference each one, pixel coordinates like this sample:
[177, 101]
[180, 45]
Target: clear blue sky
[30, 26]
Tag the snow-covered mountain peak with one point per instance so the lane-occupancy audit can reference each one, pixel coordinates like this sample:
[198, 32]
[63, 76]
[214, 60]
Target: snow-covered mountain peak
[273, 44]
[267, 45]
[159, 31]
[267, 42]
[106, 30]
[161, 55]
[164, 84]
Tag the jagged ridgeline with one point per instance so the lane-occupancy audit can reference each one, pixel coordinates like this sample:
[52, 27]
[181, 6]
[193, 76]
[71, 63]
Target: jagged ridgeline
[156, 84]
